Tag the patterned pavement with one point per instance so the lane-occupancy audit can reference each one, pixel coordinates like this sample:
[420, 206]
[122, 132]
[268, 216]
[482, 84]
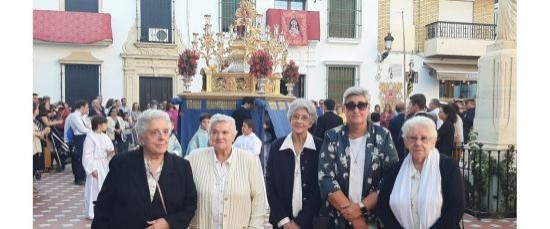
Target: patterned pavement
[60, 204]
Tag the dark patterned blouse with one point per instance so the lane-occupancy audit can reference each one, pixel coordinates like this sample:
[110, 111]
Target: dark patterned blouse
[334, 166]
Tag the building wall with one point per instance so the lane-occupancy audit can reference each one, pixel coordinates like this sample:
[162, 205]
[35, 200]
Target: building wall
[456, 11]
[425, 12]
[189, 18]
[484, 11]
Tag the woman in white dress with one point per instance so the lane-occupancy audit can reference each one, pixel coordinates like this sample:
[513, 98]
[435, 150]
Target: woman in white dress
[98, 150]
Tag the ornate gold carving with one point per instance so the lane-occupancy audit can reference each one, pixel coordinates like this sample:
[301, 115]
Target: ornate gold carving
[194, 104]
[221, 104]
[282, 105]
[273, 105]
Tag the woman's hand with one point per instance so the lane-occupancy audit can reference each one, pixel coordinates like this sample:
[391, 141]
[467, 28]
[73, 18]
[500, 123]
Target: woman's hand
[291, 225]
[94, 173]
[351, 212]
[159, 223]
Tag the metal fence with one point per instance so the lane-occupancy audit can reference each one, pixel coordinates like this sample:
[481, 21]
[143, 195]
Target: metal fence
[490, 181]
[460, 30]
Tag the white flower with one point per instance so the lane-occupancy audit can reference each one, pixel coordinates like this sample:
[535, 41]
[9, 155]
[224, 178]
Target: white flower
[374, 166]
[331, 147]
[369, 145]
[379, 139]
[345, 175]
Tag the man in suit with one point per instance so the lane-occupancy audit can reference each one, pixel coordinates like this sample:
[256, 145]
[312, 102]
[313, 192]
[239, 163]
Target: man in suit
[397, 122]
[328, 120]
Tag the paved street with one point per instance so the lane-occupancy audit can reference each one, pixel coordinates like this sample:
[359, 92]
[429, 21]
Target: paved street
[60, 204]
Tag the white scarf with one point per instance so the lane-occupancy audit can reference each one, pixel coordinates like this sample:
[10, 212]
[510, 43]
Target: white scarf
[430, 199]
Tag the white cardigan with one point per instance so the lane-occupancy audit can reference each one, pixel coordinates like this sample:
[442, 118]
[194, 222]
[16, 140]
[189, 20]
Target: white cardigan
[111, 127]
[244, 193]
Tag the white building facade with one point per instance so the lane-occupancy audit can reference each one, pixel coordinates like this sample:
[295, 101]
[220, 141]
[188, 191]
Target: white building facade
[141, 67]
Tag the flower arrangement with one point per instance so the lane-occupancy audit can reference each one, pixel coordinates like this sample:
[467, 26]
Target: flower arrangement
[187, 63]
[261, 64]
[290, 73]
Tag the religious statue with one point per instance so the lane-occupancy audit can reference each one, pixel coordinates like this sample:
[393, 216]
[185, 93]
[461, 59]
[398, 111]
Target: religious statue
[506, 22]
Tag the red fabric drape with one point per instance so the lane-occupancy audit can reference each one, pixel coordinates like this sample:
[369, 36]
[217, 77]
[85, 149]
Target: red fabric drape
[71, 27]
[308, 25]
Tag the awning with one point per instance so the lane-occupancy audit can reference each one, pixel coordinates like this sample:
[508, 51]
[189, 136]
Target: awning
[456, 72]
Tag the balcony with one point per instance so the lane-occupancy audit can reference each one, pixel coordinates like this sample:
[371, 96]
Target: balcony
[444, 39]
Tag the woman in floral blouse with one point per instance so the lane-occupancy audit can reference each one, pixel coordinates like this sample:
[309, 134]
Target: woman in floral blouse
[352, 162]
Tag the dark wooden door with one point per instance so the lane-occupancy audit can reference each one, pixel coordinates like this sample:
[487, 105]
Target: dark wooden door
[81, 82]
[157, 88]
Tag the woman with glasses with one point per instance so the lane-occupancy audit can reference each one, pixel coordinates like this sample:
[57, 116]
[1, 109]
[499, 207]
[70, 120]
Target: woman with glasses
[352, 162]
[426, 189]
[147, 187]
[291, 175]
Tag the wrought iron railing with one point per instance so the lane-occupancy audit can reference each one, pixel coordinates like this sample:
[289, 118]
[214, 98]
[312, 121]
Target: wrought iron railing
[490, 179]
[460, 30]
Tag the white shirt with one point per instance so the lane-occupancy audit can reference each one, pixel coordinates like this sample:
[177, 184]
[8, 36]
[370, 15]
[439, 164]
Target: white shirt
[297, 187]
[79, 123]
[221, 172]
[415, 186]
[357, 167]
[150, 179]
[249, 143]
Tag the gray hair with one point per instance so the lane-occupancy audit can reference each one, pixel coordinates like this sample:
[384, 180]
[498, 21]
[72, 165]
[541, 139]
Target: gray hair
[302, 104]
[356, 90]
[419, 121]
[142, 124]
[222, 118]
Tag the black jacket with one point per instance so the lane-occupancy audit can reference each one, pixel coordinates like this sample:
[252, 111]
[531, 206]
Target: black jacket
[326, 122]
[280, 182]
[445, 138]
[452, 188]
[124, 200]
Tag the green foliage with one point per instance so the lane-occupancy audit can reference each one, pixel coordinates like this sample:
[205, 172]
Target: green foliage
[484, 166]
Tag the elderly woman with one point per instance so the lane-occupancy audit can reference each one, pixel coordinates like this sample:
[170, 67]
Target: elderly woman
[229, 181]
[352, 163]
[426, 189]
[291, 177]
[148, 187]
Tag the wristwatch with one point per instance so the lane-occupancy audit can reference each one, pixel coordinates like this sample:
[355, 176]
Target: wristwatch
[364, 210]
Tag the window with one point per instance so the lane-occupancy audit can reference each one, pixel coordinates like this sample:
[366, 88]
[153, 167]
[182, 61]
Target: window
[298, 90]
[228, 9]
[81, 82]
[344, 18]
[91, 6]
[156, 21]
[457, 89]
[339, 79]
[290, 4]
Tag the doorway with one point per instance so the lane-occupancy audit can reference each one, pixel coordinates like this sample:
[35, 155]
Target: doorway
[157, 88]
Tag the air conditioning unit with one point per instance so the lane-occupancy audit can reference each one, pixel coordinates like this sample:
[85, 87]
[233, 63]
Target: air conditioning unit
[158, 35]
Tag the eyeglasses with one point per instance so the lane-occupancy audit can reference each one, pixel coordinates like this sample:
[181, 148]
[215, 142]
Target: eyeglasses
[423, 139]
[350, 106]
[297, 117]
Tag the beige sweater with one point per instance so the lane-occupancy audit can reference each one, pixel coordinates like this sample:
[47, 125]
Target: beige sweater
[244, 193]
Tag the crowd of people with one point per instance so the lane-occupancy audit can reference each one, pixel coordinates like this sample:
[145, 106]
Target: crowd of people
[341, 166]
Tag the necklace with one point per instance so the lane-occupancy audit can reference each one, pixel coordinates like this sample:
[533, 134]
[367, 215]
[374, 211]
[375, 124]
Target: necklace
[358, 151]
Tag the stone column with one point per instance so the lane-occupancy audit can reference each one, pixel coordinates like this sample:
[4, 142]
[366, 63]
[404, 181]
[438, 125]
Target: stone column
[496, 103]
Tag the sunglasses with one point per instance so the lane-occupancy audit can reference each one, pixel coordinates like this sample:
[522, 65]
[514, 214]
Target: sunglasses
[350, 106]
